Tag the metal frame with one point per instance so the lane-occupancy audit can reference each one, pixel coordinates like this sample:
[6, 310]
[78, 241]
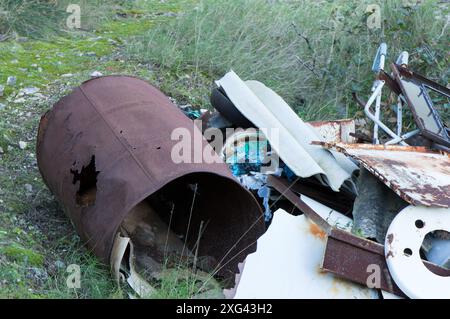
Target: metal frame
[382, 79]
[401, 72]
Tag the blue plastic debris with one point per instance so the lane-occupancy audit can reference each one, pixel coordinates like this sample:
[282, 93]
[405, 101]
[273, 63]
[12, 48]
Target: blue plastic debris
[248, 157]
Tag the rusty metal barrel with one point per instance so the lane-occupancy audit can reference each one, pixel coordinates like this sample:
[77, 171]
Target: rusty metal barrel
[106, 147]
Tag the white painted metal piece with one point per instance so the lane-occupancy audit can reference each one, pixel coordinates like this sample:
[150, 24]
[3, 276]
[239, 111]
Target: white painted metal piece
[287, 262]
[403, 241]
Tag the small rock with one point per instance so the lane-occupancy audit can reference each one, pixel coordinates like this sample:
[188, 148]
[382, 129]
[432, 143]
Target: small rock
[15, 61]
[19, 100]
[2, 106]
[40, 275]
[96, 74]
[95, 39]
[34, 65]
[91, 54]
[67, 75]
[29, 188]
[30, 90]
[22, 39]
[23, 145]
[1, 150]
[11, 81]
[39, 69]
[10, 148]
[2, 89]
[59, 264]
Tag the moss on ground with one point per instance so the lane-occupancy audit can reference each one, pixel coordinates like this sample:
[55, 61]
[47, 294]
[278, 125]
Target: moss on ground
[37, 242]
[20, 254]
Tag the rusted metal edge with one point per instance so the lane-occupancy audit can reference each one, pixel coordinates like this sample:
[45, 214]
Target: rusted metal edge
[377, 147]
[337, 131]
[283, 187]
[347, 255]
[352, 258]
[344, 148]
[390, 82]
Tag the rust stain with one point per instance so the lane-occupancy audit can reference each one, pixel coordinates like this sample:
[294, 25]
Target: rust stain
[334, 289]
[317, 231]
[416, 174]
[390, 238]
[389, 254]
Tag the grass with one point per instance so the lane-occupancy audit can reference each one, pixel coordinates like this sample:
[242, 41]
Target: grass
[32, 18]
[40, 19]
[313, 53]
[37, 241]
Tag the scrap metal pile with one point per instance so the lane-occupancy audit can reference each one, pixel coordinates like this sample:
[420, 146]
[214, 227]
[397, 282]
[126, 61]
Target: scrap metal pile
[282, 209]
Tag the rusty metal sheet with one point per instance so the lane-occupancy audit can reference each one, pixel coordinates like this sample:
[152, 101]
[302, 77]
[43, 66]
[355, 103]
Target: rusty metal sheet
[335, 131]
[349, 257]
[106, 147]
[416, 174]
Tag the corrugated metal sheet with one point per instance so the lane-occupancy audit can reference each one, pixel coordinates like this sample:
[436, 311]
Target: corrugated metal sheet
[267, 110]
[416, 174]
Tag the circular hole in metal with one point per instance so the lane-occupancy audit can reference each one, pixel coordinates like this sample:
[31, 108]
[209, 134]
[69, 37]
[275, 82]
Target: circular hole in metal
[433, 249]
[419, 223]
[408, 252]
